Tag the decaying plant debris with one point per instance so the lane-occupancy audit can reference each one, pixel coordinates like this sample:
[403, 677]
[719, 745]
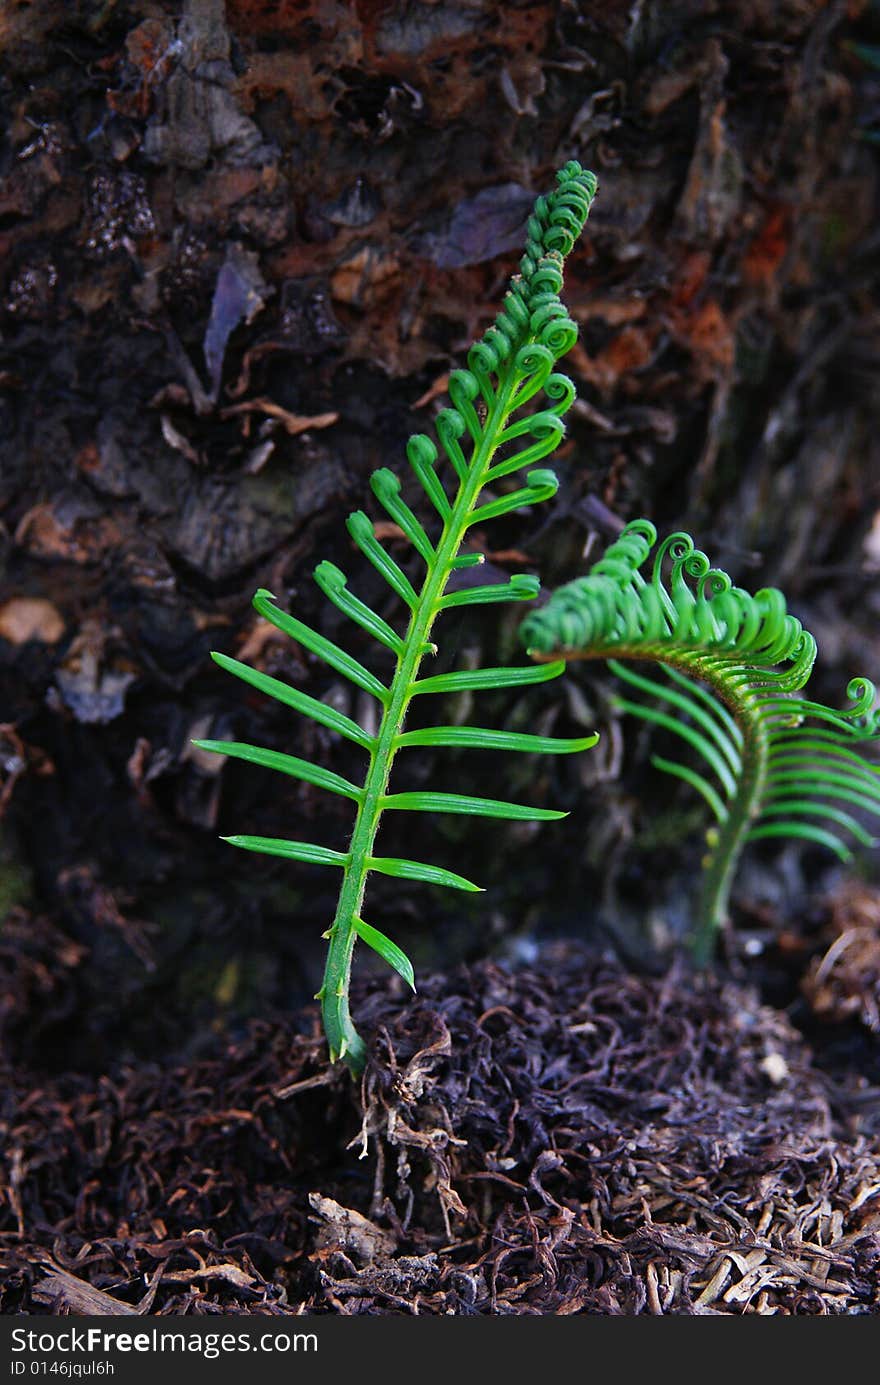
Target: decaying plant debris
[560, 1138]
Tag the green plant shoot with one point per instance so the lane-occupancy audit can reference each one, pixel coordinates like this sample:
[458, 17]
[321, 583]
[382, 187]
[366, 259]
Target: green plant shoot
[732, 666]
[488, 436]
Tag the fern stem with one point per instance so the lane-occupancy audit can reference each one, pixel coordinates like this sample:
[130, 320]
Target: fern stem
[728, 840]
[743, 806]
[345, 1042]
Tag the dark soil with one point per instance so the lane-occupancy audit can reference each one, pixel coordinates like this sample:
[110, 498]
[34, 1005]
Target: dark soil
[560, 1138]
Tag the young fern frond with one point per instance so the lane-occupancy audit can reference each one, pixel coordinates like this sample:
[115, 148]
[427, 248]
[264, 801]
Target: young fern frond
[485, 436]
[732, 666]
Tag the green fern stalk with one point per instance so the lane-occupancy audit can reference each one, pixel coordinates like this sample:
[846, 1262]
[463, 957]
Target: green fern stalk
[486, 437]
[732, 666]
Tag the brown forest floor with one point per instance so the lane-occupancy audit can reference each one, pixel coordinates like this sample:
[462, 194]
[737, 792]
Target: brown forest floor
[560, 1138]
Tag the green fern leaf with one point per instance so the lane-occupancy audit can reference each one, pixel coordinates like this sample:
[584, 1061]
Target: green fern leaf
[480, 679]
[300, 702]
[387, 950]
[485, 435]
[479, 738]
[736, 663]
[286, 764]
[294, 851]
[428, 802]
[418, 870]
[334, 584]
[264, 603]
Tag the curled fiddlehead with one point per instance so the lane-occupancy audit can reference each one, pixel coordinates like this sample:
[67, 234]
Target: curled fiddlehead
[485, 437]
[733, 665]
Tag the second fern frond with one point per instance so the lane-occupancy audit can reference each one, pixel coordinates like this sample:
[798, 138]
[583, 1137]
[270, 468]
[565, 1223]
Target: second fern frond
[732, 669]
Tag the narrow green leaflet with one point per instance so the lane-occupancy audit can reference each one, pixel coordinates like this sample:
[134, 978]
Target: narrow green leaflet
[387, 950]
[386, 487]
[361, 529]
[689, 706]
[300, 702]
[294, 851]
[480, 738]
[804, 831]
[417, 870]
[334, 584]
[811, 807]
[286, 764]
[542, 485]
[428, 802]
[325, 649]
[697, 781]
[480, 679]
[523, 588]
[687, 733]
